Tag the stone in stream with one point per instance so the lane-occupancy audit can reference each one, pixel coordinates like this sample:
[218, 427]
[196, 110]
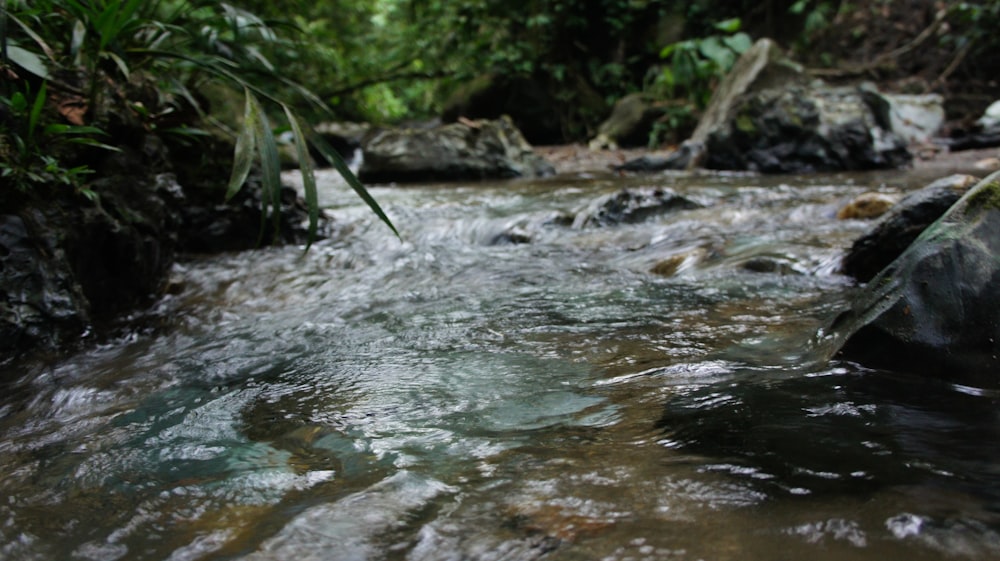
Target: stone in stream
[898, 227]
[466, 150]
[630, 206]
[985, 133]
[866, 206]
[935, 310]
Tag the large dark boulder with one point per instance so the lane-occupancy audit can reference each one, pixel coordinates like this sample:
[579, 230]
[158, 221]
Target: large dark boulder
[767, 116]
[898, 227]
[804, 129]
[761, 67]
[40, 299]
[71, 267]
[456, 151]
[935, 310]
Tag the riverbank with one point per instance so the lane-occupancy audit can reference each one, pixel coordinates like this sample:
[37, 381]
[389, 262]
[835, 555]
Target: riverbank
[578, 158]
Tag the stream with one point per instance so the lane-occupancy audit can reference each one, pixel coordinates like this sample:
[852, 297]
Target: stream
[506, 383]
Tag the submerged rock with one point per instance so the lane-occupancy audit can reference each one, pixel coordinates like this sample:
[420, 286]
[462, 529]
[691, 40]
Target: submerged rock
[630, 206]
[898, 227]
[934, 310]
[456, 151]
[866, 206]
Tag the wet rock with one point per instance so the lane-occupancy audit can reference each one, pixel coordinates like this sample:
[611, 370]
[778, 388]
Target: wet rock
[934, 309]
[987, 164]
[765, 117]
[678, 263]
[985, 133]
[683, 158]
[670, 266]
[41, 304]
[866, 206]
[991, 117]
[212, 225]
[897, 229]
[344, 137]
[917, 119]
[457, 151]
[630, 206]
[70, 266]
[803, 129]
[511, 236]
[771, 265]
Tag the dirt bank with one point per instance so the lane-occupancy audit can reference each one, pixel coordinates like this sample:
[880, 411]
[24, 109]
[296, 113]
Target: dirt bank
[578, 158]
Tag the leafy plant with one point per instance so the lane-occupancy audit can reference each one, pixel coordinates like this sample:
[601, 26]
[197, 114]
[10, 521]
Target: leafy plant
[696, 64]
[28, 148]
[180, 42]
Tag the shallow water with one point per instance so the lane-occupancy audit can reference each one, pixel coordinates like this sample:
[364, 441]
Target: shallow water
[456, 395]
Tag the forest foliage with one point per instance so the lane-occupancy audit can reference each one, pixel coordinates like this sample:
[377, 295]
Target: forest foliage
[115, 65]
[295, 62]
[390, 60]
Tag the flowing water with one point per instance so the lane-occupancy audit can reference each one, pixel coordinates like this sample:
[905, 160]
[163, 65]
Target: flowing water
[506, 384]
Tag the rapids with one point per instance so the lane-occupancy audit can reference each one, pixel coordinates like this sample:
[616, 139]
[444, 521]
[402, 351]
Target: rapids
[459, 394]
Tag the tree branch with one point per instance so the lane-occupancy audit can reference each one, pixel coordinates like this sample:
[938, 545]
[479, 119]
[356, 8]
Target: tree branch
[883, 58]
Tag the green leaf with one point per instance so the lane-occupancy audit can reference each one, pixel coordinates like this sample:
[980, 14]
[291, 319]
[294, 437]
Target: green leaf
[18, 103]
[28, 61]
[76, 44]
[122, 65]
[34, 37]
[72, 129]
[714, 50]
[186, 131]
[270, 164]
[729, 26]
[669, 79]
[89, 194]
[308, 174]
[94, 143]
[243, 155]
[739, 43]
[798, 7]
[338, 163]
[36, 111]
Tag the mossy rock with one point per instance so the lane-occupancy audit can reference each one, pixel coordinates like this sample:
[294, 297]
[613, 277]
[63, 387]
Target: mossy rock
[935, 310]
